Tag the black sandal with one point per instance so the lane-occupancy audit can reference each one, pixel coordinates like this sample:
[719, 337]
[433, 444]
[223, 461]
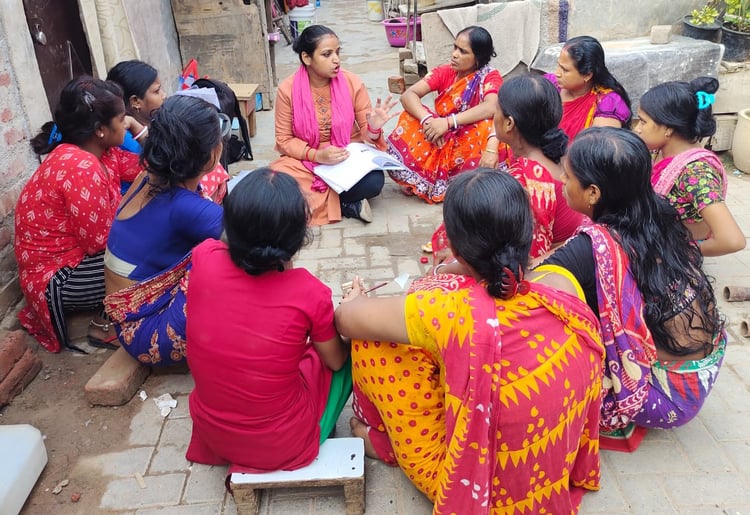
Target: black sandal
[106, 343]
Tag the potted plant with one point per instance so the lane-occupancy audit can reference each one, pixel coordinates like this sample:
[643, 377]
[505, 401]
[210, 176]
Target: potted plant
[704, 23]
[736, 30]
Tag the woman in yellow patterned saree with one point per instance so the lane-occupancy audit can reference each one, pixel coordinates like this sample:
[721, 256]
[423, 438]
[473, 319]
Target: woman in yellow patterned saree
[493, 406]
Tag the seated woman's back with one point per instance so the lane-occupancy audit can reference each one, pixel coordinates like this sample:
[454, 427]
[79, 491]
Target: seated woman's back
[163, 215]
[263, 346]
[153, 231]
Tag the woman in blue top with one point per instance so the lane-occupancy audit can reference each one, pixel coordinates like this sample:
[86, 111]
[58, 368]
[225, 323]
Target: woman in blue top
[161, 218]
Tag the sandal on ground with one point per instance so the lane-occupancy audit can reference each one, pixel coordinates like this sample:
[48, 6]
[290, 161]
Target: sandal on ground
[111, 342]
[427, 248]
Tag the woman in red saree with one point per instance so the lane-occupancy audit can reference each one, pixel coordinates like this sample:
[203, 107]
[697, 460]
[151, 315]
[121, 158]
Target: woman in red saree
[673, 118]
[492, 407]
[591, 95]
[457, 136]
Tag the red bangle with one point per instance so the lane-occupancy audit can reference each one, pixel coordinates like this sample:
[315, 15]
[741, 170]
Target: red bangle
[377, 131]
[315, 156]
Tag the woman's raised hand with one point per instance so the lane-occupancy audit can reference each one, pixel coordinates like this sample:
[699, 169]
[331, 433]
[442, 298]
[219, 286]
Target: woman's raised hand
[380, 114]
[331, 155]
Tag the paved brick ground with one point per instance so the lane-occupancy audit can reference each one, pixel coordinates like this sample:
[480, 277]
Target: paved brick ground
[702, 468]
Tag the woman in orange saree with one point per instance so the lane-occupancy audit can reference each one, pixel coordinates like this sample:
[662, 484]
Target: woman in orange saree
[436, 145]
[492, 407]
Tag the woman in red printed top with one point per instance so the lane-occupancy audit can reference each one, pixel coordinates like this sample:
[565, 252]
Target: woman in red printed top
[65, 211]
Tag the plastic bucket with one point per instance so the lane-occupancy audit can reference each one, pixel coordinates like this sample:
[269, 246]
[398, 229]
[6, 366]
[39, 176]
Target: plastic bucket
[301, 17]
[398, 33]
[375, 10]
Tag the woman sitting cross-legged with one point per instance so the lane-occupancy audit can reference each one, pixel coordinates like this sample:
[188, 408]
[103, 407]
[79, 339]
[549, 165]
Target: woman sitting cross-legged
[65, 211]
[491, 402]
[641, 273]
[161, 218]
[263, 346]
[672, 119]
[319, 111]
[457, 136]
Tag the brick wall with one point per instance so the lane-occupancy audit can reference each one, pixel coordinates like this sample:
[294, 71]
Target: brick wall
[17, 162]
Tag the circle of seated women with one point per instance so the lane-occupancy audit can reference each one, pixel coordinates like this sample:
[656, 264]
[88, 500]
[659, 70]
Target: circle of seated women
[65, 210]
[492, 400]
[161, 218]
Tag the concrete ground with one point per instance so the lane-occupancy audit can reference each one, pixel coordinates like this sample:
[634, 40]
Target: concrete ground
[702, 468]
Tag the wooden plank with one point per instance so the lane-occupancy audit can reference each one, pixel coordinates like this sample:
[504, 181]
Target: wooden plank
[228, 39]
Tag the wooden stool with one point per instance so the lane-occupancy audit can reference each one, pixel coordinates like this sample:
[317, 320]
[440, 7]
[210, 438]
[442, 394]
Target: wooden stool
[341, 461]
[246, 97]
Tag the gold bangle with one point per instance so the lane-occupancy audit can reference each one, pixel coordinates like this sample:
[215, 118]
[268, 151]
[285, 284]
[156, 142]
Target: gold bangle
[490, 151]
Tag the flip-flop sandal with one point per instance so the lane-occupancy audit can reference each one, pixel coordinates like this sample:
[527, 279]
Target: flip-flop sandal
[106, 343]
[111, 343]
[427, 248]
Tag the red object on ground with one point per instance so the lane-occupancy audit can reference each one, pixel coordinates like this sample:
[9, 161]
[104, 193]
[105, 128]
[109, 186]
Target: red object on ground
[424, 260]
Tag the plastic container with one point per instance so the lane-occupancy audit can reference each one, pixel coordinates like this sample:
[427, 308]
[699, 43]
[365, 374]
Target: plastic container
[375, 10]
[23, 459]
[740, 148]
[398, 33]
[301, 17]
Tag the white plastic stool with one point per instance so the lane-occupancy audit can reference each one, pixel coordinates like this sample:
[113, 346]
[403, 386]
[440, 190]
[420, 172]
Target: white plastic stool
[23, 459]
[341, 461]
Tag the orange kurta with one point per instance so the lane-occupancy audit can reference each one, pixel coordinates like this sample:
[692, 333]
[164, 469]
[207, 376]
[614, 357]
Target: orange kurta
[325, 206]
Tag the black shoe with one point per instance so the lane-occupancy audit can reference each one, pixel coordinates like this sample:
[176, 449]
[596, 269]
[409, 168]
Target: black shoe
[359, 209]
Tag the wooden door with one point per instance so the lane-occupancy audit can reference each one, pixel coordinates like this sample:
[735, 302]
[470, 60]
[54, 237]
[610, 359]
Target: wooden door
[59, 43]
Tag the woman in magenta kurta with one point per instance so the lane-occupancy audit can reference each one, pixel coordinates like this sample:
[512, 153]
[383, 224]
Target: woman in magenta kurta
[65, 211]
[262, 344]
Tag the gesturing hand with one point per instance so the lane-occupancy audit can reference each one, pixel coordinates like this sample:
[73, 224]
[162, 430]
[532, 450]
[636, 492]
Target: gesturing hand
[380, 114]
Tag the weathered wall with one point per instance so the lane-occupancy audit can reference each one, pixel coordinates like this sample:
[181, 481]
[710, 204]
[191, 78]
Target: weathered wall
[152, 25]
[23, 109]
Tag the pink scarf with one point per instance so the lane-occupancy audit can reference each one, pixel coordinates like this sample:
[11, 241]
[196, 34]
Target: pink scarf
[304, 118]
[667, 170]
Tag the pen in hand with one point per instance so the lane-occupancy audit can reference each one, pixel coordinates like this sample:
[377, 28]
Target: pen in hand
[376, 287]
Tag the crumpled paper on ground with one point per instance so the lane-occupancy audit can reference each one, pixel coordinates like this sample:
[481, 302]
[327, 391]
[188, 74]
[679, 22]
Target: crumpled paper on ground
[165, 403]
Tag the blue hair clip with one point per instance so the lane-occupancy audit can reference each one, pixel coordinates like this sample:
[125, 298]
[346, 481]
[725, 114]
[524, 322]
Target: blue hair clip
[55, 136]
[705, 99]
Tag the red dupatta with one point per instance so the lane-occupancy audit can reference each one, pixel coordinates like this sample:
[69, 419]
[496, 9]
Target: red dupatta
[579, 113]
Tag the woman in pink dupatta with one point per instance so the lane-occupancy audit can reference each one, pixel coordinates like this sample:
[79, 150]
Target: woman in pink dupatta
[672, 119]
[319, 111]
[492, 407]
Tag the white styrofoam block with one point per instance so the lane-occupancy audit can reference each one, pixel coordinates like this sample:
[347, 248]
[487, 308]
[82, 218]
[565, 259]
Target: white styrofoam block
[23, 459]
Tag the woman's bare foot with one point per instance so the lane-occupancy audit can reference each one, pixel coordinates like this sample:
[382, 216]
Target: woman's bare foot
[359, 429]
[406, 190]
